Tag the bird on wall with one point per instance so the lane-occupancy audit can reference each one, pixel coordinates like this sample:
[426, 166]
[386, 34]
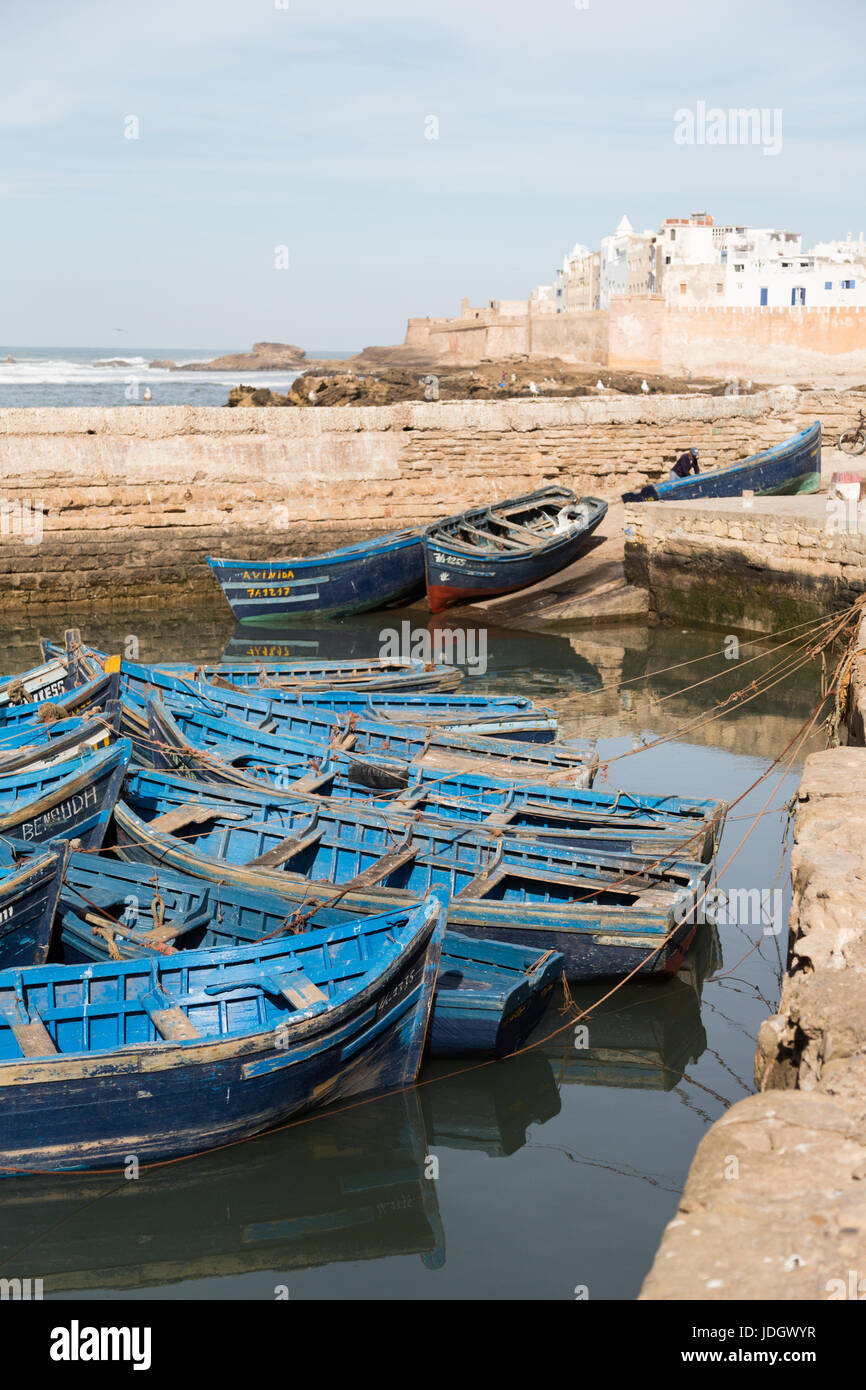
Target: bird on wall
[599, 385]
[644, 388]
[534, 389]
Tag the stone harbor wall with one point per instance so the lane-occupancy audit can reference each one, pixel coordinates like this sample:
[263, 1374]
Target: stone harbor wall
[774, 1206]
[101, 502]
[760, 568]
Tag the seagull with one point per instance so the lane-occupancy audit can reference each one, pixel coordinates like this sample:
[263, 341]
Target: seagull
[148, 394]
[644, 388]
[533, 388]
[599, 385]
[311, 397]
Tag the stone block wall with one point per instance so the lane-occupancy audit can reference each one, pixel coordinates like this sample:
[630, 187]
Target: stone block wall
[136, 497]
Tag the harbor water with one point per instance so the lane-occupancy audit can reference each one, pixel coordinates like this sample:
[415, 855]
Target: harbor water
[551, 1174]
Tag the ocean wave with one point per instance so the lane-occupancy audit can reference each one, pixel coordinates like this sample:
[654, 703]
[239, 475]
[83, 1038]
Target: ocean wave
[61, 371]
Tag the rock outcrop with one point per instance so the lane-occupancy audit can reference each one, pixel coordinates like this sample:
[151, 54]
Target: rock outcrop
[264, 357]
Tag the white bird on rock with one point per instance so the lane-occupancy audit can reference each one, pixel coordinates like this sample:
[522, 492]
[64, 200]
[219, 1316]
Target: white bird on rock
[644, 388]
[533, 388]
[599, 385]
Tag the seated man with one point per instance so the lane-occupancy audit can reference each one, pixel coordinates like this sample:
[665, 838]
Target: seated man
[686, 463]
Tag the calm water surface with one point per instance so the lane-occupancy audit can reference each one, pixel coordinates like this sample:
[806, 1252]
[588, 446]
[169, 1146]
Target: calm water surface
[528, 1178]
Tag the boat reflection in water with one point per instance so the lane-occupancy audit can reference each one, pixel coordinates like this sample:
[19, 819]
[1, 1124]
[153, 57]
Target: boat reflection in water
[643, 1037]
[499, 651]
[349, 1186]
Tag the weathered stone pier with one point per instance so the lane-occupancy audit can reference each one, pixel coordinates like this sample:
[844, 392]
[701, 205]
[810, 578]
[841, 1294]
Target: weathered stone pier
[775, 1202]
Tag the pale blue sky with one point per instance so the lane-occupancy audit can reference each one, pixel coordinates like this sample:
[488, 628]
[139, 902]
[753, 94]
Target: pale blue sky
[305, 126]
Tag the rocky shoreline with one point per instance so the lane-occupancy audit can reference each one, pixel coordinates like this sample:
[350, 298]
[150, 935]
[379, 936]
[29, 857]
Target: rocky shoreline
[374, 380]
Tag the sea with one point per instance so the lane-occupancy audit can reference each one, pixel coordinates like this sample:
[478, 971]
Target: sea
[118, 374]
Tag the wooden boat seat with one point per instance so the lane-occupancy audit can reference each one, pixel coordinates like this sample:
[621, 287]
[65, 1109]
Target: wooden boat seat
[30, 1033]
[532, 536]
[311, 781]
[368, 878]
[488, 537]
[293, 985]
[166, 932]
[287, 849]
[190, 814]
[168, 1019]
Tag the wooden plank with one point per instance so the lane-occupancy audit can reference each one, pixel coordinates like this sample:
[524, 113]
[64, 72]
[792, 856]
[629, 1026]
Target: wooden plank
[311, 781]
[33, 1038]
[382, 867]
[168, 1019]
[301, 992]
[190, 814]
[287, 849]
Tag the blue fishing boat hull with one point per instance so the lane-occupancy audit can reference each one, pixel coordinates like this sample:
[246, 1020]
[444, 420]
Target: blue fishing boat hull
[606, 915]
[30, 881]
[398, 739]
[371, 574]
[70, 799]
[458, 573]
[231, 756]
[489, 996]
[79, 700]
[794, 466]
[77, 736]
[159, 1059]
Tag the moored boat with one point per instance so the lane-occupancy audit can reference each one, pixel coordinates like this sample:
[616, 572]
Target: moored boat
[506, 546]
[607, 914]
[377, 675]
[794, 466]
[488, 995]
[70, 799]
[80, 699]
[233, 758]
[439, 748]
[369, 574]
[30, 880]
[164, 1057]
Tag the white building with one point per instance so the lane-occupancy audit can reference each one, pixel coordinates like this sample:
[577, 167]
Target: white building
[695, 263]
[628, 263]
[702, 264]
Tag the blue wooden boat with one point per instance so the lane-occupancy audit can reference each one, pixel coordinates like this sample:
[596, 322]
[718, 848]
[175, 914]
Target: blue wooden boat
[65, 800]
[231, 756]
[79, 700]
[369, 574]
[793, 466]
[41, 682]
[170, 1056]
[494, 716]
[439, 749]
[506, 546]
[607, 915]
[503, 717]
[488, 995]
[30, 879]
[53, 742]
[378, 675]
